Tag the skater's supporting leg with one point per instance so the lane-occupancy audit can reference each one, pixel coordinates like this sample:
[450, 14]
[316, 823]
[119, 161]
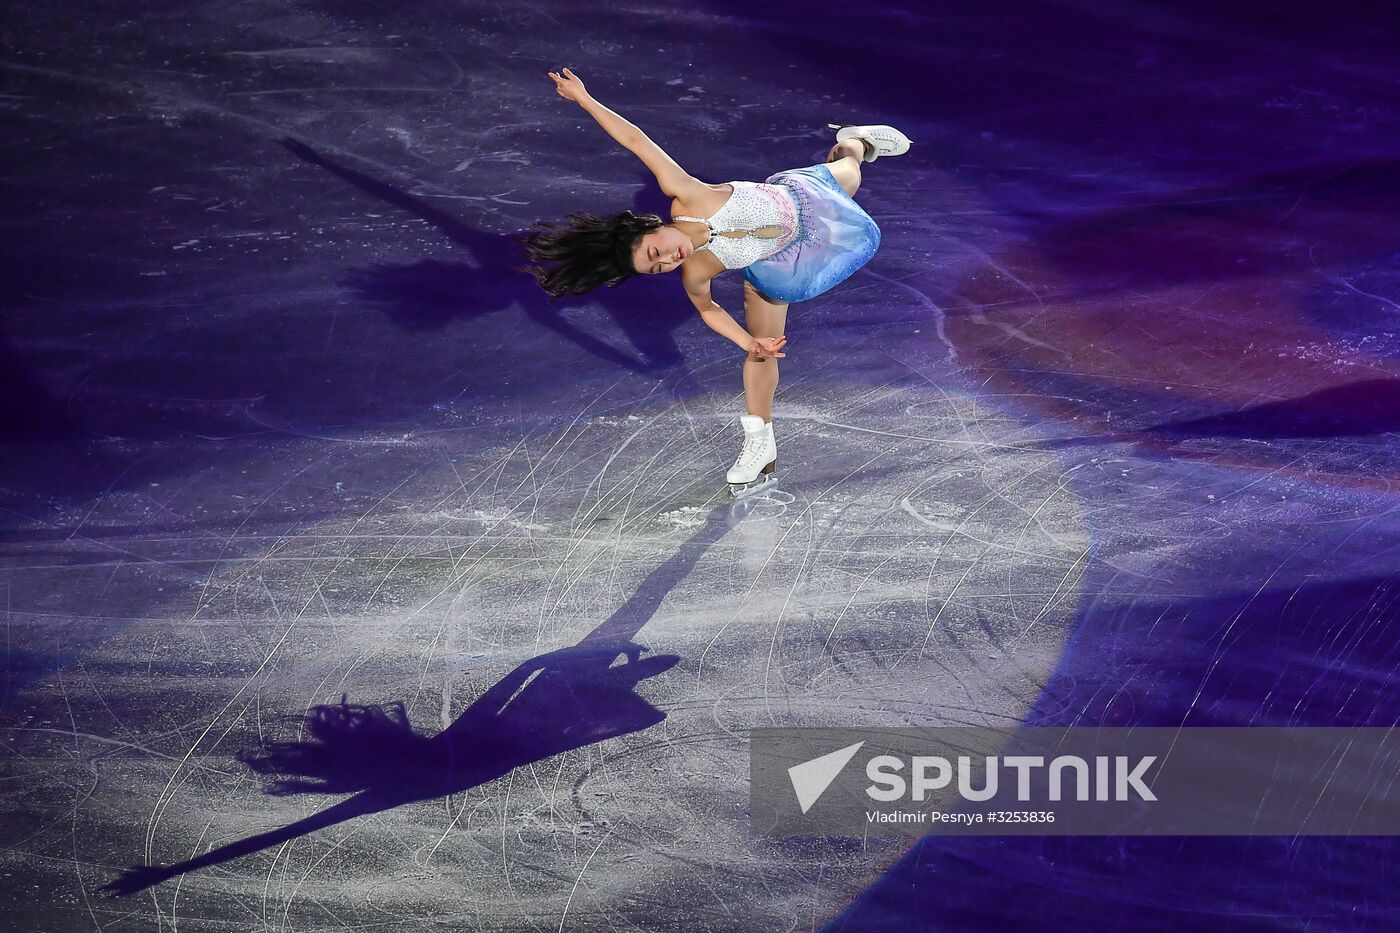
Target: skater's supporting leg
[760, 383]
[762, 318]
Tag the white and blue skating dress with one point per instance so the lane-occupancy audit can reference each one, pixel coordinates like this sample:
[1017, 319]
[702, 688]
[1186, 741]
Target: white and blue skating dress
[802, 233]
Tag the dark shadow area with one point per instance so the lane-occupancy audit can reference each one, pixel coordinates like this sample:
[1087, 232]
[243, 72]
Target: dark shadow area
[1357, 409]
[1253, 226]
[934, 890]
[1122, 78]
[28, 411]
[430, 293]
[550, 704]
[36, 432]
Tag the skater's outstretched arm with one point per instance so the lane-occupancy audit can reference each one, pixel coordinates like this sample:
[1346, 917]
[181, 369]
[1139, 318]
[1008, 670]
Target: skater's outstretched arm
[721, 322]
[675, 181]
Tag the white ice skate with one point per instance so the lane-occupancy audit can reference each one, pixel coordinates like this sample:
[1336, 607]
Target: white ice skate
[887, 140]
[758, 461]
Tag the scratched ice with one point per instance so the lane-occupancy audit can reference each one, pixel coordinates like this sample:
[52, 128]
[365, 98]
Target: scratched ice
[1104, 434]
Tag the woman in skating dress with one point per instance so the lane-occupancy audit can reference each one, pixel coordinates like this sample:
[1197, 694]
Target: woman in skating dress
[796, 235]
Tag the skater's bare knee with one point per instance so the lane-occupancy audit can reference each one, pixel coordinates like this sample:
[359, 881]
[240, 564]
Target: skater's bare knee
[756, 357]
[852, 148]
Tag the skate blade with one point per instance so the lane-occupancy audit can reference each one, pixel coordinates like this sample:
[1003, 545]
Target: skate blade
[744, 490]
[840, 126]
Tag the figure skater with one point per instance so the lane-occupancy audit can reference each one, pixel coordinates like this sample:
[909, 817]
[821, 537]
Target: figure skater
[796, 236]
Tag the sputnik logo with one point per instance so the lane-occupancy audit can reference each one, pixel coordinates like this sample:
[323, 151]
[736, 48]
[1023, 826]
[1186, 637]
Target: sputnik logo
[811, 778]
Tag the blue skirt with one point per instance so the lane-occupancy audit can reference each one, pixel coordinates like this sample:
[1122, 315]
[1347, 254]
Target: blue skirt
[834, 239]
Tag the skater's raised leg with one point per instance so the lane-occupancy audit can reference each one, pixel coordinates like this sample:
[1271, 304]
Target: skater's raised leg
[762, 318]
[844, 163]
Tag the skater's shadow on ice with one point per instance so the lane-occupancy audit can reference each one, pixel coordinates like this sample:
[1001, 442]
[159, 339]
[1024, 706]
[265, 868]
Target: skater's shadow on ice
[1357, 409]
[550, 704]
[429, 294]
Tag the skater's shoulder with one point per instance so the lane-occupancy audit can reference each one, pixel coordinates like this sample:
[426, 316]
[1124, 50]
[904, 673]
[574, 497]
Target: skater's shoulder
[704, 200]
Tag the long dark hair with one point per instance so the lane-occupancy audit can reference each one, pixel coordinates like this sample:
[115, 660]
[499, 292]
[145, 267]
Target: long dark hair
[594, 251]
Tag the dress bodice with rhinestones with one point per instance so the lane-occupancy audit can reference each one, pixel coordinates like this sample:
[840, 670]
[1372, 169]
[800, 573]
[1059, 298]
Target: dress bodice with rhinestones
[757, 221]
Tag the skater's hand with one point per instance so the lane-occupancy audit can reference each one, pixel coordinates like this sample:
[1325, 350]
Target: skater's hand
[768, 346]
[570, 87]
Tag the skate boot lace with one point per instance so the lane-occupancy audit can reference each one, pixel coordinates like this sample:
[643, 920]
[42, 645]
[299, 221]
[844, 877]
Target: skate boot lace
[753, 449]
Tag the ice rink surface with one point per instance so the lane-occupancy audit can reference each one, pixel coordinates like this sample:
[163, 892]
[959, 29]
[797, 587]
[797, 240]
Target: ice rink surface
[1105, 434]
